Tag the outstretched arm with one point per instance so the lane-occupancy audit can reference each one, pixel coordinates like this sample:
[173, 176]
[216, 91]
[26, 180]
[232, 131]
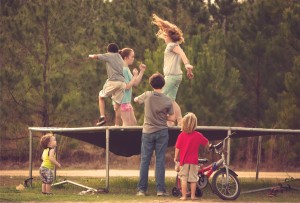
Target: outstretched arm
[140, 99]
[180, 52]
[93, 56]
[188, 66]
[207, 146]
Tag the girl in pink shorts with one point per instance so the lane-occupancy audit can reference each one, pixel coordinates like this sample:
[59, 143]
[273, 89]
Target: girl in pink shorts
[126, 112]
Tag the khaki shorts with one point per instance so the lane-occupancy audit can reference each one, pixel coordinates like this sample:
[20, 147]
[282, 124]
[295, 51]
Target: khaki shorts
[115, 89]
[189, 173]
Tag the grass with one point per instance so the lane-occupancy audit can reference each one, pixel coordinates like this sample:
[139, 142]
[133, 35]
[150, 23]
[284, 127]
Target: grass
[123, 189]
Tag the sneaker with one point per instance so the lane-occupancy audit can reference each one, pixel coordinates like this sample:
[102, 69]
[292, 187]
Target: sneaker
[140, 193]
[162, 194]
[101, 121]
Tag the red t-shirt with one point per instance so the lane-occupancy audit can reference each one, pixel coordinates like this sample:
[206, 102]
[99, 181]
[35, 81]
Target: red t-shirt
[188, 145]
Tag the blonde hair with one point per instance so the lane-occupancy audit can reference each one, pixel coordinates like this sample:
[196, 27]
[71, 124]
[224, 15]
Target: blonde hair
[167, 29]
[45, 140]
[189, 123]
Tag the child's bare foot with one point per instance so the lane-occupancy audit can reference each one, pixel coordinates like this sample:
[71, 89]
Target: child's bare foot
[183, 198]
[194, 198]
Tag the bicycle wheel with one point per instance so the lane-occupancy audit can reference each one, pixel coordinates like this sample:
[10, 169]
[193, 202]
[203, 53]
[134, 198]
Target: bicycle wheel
[202, 182]
[230, 191]
[198, 192]
[176, 192]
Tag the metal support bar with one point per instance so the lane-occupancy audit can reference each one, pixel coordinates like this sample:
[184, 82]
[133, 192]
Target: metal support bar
[107, 159]
[56, 156]
[228, 147]
[256, 190]
[30, 157]
[258, 155]
[73, 183]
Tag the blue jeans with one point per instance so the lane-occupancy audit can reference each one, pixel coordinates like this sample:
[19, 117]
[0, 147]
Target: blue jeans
[157, 141]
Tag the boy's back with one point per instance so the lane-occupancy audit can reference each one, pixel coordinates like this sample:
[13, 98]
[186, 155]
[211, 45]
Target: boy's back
[157, 107]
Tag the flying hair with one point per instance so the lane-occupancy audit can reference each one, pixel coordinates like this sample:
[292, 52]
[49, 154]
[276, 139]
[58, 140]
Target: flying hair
[167, 29]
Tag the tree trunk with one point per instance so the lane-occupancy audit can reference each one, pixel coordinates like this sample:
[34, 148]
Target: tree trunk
[45, 116]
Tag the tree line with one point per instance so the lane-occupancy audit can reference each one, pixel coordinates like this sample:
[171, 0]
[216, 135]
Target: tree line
[246, 57]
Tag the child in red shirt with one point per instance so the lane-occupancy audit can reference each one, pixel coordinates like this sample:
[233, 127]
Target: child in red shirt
[187, 147]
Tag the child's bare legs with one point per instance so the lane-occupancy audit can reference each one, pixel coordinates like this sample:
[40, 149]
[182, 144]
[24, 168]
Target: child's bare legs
[102, 106]
[48, 188]
[101, 120]
[43, 188]
[183, 189]
[178, 115]
[177, 112]
[193, 190]
[118, 116]
[128, 118]
[118, 113]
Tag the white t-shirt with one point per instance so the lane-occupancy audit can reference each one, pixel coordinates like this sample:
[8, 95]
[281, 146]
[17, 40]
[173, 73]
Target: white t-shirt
[172, 60]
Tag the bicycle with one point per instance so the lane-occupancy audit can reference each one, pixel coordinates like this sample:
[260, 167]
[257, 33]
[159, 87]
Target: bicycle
[224, 184]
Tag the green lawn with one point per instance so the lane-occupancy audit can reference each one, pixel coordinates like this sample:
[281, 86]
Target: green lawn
[123, 190]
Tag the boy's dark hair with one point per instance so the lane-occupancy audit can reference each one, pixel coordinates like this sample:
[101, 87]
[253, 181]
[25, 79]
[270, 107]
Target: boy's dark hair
[113, 48]
[157, 81]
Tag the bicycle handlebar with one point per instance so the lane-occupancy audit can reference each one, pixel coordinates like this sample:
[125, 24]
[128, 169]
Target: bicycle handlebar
[222, 143]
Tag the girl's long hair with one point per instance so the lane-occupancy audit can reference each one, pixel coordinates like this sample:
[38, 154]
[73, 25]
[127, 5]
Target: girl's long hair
[167, 29]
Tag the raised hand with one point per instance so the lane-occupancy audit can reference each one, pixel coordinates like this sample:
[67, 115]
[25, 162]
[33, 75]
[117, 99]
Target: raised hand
[135, 72]
[142, 67]
[190, 74]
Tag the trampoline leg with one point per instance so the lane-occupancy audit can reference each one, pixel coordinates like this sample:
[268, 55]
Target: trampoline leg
[55, 158]
[228, 147]
[107, 160]
[258, 156]
[30, 157]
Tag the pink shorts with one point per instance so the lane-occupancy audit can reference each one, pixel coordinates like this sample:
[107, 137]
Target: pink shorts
[126, 107]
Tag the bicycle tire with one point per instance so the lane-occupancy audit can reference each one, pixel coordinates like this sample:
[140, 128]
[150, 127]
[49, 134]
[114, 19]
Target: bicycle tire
[221, 189]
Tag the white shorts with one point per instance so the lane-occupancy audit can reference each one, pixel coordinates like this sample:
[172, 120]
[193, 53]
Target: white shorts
[115, 89]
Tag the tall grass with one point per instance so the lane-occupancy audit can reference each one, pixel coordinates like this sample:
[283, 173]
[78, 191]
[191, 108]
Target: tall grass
[124, 189]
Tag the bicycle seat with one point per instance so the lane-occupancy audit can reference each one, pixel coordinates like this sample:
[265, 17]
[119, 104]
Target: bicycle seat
[202, 161]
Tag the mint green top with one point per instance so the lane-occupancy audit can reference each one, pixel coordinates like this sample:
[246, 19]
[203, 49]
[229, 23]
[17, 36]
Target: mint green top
[46, 161]
[128, 93]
